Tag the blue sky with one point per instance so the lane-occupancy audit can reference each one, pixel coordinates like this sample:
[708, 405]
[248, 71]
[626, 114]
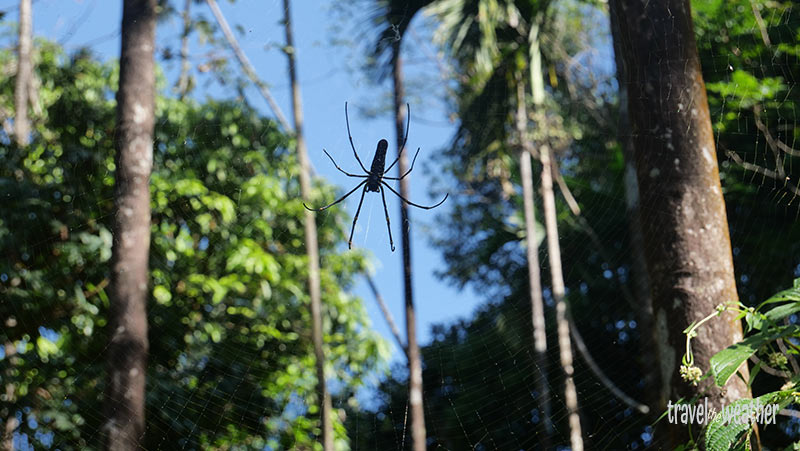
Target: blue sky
[328, 77]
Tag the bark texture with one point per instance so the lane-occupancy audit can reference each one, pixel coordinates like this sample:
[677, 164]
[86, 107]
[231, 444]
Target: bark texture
[22, 125]
[418, 433]
[312, 245]
[683, 219]
[127, 352]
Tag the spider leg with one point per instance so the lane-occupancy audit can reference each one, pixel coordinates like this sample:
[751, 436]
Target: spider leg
[407, 172]
[342, 170]
[412, 203]
[388, 224]
[336, 201]
[358, 210]
[405, 138]
[350, 137]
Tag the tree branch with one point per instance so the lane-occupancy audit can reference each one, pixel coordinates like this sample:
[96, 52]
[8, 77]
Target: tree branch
[587, 228]
[387, 315]
[770, 370]
[247, 67]
[787, 184]
[580, 345]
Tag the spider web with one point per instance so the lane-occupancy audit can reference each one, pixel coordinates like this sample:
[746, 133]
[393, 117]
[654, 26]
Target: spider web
[481, 379]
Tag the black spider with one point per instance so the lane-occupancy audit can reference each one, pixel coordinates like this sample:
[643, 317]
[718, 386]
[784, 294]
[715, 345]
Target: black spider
[374, 177]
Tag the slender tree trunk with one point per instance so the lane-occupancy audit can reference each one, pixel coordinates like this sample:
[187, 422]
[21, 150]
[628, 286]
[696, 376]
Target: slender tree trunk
[183, 80]
[22, 126]
[312, 246]
[534, 276]
[683, 213]
[641, 282]
[127, 352]
[418, 433]
[554, 254]
[557, 284]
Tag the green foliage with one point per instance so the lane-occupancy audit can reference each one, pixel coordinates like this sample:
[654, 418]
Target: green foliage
[775, 342]
[747, 90]
[725, 363]
[722, 435]
[230, 349]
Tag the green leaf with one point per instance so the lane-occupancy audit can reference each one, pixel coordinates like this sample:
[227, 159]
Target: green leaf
[782, 311]
[46, 347]
[725, 363]
[162, 294]
[731, 435]
[790, 294]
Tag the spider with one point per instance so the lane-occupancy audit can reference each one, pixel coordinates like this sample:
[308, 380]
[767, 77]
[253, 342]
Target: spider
[375, 178]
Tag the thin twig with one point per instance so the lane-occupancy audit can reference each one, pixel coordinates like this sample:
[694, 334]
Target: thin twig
[763, 171]
[387, 315]
[77, 24]
[183, 79]
[587, 228]
[790, 357]
[247, 67]
[770, 370]
[580, 345]
[762, 27]
[773, 143]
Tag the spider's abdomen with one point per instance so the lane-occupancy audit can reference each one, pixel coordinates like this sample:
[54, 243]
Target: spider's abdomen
[378, 163]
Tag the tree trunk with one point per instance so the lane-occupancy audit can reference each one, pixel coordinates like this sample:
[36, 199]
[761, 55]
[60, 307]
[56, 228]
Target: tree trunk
[683, 213]
[312, 246]
[554, 254]
[22, 126]
[127, 352]
[418, 433]
[534, 277]
[641, 282]
[183, 80]
[557, 285]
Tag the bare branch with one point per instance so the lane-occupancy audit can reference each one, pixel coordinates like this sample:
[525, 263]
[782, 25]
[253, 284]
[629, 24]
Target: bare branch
[247, 67]
[787, 184]
[770, 370]
[387, 315]
[587, 228]
[762, 27]
[785, 352]
[580, 345]
[183, 79]
[771, 141]
[789, 413]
